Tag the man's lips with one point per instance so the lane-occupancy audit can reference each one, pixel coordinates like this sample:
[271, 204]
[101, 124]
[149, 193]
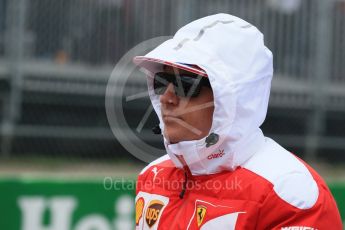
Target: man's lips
[168, 117]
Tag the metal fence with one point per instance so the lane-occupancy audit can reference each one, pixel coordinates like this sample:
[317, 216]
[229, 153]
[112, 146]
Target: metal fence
[56, 57]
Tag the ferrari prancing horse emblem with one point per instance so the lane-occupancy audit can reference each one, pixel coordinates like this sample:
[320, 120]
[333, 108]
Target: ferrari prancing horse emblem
[200, 214]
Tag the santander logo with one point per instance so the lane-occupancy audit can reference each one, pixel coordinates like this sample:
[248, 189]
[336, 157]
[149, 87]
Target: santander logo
[219, 154]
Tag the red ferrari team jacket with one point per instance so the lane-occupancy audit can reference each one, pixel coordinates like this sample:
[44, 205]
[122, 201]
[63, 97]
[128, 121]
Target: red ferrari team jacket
[235, 178]
[250, 197]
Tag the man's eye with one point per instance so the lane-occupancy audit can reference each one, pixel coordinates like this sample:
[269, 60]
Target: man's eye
[160, 90]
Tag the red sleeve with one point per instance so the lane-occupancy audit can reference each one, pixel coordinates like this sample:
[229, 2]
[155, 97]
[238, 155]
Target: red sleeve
[275, 213]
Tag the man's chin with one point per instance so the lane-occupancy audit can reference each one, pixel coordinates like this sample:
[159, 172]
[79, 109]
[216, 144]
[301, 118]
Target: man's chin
[173, 136]
[173, 140]
[176, 136]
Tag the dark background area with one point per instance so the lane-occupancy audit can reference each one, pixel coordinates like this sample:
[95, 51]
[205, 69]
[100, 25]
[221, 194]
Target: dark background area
[56, 58]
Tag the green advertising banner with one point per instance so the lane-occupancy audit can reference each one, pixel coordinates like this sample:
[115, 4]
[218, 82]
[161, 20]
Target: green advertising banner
[104, 204]
[338, 191]
[56, 204]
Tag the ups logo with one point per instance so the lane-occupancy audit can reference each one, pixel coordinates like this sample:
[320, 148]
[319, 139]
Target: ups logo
[153, 211]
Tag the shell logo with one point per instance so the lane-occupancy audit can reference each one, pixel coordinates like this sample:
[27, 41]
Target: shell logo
[139, 208]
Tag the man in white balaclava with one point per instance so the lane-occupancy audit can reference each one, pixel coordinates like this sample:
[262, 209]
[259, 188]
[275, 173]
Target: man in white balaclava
[210, 86]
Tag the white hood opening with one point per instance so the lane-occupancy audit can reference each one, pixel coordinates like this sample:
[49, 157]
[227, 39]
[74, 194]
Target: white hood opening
[240, 68]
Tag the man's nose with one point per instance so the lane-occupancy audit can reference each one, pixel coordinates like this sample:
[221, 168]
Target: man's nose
[169, 96]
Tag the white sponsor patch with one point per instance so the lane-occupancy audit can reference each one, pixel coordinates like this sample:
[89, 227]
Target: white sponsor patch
[154, 206]
[298, 228]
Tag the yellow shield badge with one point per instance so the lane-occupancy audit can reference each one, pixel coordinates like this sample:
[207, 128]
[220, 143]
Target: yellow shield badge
[200, 214]
[139, 207]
